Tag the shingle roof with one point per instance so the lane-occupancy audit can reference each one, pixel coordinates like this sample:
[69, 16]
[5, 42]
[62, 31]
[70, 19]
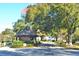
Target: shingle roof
[25, 32]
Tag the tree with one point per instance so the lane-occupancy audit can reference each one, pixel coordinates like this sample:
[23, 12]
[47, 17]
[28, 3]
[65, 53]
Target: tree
[36, 15]
[8, 34]
[71, 20]
[51, 18]
[19, 25]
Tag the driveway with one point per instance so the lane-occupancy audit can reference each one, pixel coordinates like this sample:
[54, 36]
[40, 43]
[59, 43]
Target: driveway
[38, 52]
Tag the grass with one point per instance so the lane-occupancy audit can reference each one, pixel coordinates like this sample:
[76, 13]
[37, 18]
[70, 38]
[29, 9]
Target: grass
[76, 47]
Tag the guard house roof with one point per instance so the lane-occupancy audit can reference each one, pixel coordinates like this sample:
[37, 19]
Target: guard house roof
[25, 32]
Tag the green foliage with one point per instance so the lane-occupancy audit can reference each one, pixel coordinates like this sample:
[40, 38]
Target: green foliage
[19, 25]
[17, 44]
[29, 42]
[51, 18]
[30, 45]
[7, 31]
[8, 35]
[61, 43]
[75, 38]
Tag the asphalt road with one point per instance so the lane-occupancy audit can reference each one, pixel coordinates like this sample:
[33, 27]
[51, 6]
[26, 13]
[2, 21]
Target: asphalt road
[38, 52]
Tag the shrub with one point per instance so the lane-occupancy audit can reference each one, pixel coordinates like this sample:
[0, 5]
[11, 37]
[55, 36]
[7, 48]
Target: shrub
[29, 42]
[17, 44]
[75, 38]
[61, 43]
[30, 45]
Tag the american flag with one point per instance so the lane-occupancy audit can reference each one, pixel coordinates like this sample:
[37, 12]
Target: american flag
[24, 11]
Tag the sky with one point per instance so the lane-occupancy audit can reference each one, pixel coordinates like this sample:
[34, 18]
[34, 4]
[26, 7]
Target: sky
[10, 13]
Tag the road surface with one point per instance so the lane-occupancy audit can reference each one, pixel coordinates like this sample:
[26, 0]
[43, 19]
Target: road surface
[38, 52]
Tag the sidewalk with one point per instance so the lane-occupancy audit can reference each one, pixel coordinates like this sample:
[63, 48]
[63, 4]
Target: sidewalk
[7, 48]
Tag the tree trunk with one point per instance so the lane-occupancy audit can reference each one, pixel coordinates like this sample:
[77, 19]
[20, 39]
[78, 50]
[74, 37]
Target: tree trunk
[56, 38]
[69, 40]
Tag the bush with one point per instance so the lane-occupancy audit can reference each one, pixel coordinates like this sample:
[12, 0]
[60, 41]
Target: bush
[29, 42]
[61, 43]
[30, 45]
[17, 44]
[45, 40]
[76, 38]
